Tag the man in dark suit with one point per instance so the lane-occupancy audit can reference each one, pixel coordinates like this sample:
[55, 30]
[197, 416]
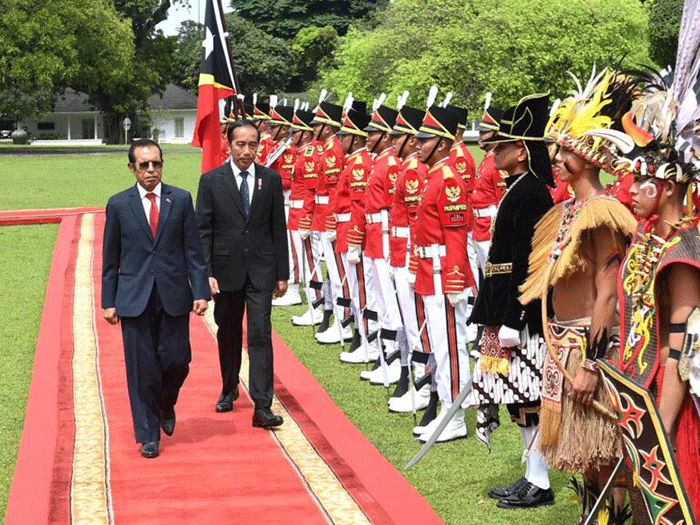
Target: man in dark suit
[240, 211]
[153, 275]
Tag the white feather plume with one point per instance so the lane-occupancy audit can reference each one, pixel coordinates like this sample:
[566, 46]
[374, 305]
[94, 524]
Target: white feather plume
[323, 95]
[487, 102]
[255, 98]
[273, 101]
[432, 95]
[448, 97]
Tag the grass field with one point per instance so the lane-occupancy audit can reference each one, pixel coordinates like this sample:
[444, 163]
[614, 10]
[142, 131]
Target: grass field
[454, 477]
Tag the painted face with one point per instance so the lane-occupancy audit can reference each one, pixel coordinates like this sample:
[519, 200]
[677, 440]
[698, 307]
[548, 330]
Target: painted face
[567, 165]
[644, 196]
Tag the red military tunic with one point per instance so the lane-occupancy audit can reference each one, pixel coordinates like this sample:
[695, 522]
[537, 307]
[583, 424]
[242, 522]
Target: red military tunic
[309, 162]
[265, 148]
[332, 162]
[223, 149]
[442, 221]
[358, 181]
[296, 197]
[378, 202]
[409, 186]
[489, 188]
[357, 164]
[463, 163]
[284, 165]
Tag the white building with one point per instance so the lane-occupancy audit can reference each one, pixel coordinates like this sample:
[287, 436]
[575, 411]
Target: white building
[74, 119]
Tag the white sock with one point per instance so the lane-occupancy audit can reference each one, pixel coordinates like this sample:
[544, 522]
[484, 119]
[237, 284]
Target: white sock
[526, 433]
[537, 467]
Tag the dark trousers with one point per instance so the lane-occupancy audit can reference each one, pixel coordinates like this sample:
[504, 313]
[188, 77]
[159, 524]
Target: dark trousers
[228, 314]
[157, 355]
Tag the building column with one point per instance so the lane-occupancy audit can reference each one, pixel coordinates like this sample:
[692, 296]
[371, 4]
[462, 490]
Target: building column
[68, 127]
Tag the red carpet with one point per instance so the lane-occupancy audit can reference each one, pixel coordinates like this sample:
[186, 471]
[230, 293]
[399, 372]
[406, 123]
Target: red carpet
[78, 459]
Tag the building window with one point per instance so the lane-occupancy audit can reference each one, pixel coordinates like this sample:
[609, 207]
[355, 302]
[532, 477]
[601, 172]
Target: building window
[88, 128]
[45, 126]
[180, 127]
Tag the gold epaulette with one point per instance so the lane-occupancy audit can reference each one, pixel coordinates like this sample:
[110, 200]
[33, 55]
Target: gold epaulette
[597, 212]
[413, 163]
[392, 161]
[447, 172]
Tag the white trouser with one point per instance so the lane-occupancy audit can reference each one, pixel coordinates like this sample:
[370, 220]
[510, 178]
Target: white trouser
[362, 292]
[309, 249]
[473, 257]
[290, 245]
[482, 254]
[337, 271]
[448, 336]
[385, 295]
[407, 303]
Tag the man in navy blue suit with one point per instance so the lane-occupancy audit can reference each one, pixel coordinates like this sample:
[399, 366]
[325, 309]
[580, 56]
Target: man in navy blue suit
[153, 276]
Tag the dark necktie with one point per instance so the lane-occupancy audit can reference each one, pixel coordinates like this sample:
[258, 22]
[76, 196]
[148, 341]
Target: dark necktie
[245, 193]
[153, 216]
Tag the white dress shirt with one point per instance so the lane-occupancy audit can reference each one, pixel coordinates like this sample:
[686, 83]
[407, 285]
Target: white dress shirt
[146, 201]
[250, 179]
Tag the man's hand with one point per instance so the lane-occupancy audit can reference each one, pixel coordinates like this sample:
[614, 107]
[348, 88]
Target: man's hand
[213, 286]
[110, 315]
[199, 306]
[332, 235]
[456, 298]
[354, 254]
[280, 289]
[584, 386]
[508, 337]
[304, 234]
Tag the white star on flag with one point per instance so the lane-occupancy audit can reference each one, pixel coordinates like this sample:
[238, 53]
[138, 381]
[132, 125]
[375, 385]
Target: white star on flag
[208, 43]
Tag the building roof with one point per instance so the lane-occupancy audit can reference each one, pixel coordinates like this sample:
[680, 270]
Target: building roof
[174, 97]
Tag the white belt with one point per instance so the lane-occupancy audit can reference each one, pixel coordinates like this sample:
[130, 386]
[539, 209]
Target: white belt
[428, 252]
[489, 211]
[373, 218]
[400, 232]
[296, 205]
[321, 199]
[342, 217]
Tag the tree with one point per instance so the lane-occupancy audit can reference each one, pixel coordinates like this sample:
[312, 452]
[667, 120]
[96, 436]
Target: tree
[285, 18]
[50, 45]
[188, 55]
[509, 47]
[312, 50]
[664, 22]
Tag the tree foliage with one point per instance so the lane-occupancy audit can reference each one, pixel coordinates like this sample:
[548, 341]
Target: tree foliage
[509, 47]
[285, 18]
[312, 50]
[664, 21]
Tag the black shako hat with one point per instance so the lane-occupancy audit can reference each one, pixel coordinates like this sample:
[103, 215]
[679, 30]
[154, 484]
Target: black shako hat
[354, 123]
[491, 119]
[408, 121]
[359, 105]
[302, 120]
[327, 113]
[526, 122]
[383, 119]
[438, 122]
[281, 116]
[462, 113]
[261, 111]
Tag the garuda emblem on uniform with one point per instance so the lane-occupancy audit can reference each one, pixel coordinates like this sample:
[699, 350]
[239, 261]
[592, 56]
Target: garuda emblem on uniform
[288, 158]
[309, 166]
[358, 174]
[453, 193]
[330, 161]
[392, 176]
[319, 148]
[412, 186]
[461, 166]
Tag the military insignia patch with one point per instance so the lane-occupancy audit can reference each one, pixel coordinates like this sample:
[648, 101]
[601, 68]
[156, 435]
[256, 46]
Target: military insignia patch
[330, 161]
[452, 193]
[412, 186]
[358, 174]
[309, 166]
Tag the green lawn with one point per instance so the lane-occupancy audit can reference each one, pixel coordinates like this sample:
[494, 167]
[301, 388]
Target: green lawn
[453, 477]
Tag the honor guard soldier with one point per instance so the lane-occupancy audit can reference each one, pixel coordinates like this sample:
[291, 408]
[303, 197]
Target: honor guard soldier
[302, 137]
[373, 234]
[439, 268]
[415, 346]
[261, 116]
[489, 187]
[508, 369]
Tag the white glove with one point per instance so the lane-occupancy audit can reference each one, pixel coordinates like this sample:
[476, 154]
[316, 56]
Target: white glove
[304, 234]
[332, 235]
[411, 278]
[456, 298]
[508, 337]
[354, 254]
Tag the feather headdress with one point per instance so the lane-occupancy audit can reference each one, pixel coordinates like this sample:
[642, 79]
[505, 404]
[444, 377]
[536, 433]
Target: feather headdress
[582, 119]
[663, 121]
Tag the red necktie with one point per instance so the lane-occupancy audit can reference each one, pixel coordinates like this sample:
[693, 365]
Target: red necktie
[153, 217]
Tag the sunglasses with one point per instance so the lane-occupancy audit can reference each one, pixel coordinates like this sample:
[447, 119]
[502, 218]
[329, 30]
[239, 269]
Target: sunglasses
[157, 164]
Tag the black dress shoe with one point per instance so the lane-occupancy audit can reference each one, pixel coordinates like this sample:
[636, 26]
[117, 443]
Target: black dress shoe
[167, 421]
[529, 496]
[150, 449]
[225, 401]
[500, 493]
[265, 418]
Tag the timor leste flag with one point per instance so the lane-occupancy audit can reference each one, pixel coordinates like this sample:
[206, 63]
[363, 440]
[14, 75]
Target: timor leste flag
[217, 80]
